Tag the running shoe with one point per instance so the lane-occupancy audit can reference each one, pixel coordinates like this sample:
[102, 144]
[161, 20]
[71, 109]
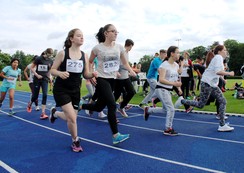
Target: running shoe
[189, 109]
[52, 118]
[11, 113]
[127, 107]
[76, 146]
[218, 117]
[29, 109]
[122, 112]
[120, 138]
[225, 128]
[37, 108]
[146, 114]
[43, 116]
[102, 115]
[170, 132]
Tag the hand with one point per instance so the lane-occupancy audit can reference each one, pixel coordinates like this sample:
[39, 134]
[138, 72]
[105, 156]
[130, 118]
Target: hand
[177, 84]
[132, 73]
[20, 84]
[95, 74]
[231, 73]
[118, 74]
[39, 76]
[63, 75]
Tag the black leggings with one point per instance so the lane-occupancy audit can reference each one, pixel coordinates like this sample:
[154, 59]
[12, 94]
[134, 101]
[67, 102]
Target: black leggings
[124, 84]
[104, 90]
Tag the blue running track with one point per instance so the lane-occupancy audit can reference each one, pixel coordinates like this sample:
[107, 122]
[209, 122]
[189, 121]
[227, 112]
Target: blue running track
[31, 145]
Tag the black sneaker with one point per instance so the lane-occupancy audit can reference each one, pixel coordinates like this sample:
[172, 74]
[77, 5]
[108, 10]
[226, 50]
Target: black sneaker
[170, 132]
[146, 114]
[76, 146]
[52, 118]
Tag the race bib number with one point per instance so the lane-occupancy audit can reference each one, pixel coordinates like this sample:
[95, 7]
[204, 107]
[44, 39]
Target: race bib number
[74, 66]
[43, 68]
[12, 80]
[111, 66]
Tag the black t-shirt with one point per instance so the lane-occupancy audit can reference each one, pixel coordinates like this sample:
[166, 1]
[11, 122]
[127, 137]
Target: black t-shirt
[43, 65]
[199, 67]
[74, 79]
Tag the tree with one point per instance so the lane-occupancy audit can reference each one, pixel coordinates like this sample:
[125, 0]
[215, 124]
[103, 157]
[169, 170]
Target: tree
[145, 62]
[197, 51]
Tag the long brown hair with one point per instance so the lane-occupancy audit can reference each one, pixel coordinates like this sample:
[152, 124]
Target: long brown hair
[209, 58]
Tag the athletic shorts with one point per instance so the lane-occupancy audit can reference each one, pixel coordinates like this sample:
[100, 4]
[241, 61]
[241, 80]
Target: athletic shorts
[5, 89]
[63, 96]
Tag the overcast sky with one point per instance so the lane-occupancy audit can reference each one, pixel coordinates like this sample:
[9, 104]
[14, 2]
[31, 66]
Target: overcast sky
[34, 25]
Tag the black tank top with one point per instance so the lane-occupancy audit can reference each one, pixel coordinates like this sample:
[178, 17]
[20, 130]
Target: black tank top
[74, 79]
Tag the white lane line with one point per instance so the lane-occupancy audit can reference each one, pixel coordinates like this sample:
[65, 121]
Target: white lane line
[7, 168]
[126, 151]
[156, 130]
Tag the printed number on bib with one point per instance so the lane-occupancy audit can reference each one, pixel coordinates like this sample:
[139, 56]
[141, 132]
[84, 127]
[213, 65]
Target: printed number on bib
[74, 66]
[111, 66]
[43, 68]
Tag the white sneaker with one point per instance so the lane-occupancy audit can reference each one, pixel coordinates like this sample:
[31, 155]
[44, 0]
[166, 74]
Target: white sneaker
[218, 117]
[102, 115]
[122, 112]
[87, 112]
[225, 128]
[37, 108]
[178, 102]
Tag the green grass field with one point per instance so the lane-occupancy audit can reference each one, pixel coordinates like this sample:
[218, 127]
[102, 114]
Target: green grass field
[233, 105]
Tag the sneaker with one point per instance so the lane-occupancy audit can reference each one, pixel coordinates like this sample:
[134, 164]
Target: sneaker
[52, 118]
[170, 132]
[122, 112]
[127, 107]
[102, 115]
[189, 109]
[218, 117]
[76, 146]
[225, 128]
[37, 108]
[80, 104]
[11, 113]
[178, 102]
[146, 114]
[29, 109]
[120, 138]
[43, 116]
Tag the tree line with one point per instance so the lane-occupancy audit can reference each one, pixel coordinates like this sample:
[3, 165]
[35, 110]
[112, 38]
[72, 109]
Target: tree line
[235, 59]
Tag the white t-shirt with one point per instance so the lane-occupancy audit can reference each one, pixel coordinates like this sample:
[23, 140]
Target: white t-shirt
[31, 76]
[108, 59]
[209, 76]
[171, 74]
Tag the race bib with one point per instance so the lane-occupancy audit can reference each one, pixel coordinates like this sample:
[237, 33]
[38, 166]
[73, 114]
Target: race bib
[12, 80]
[111, 66]
[43, 68]
[74, 66]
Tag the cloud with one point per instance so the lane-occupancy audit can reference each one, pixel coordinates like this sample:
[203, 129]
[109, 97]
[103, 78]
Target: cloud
[32, 26]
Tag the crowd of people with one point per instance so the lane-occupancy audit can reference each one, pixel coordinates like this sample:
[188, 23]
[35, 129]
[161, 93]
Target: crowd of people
[109, 77]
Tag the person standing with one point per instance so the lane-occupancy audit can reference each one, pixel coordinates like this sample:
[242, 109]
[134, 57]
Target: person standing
[41, 69]
[209, 86]
[168, 78]
[29, 78]
[10, 74]
[123, 82]
[109, 55]
[68, 66]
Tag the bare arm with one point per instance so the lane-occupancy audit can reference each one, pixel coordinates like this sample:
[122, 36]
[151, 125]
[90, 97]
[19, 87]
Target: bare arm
[88, 72]
[25, 73]
[162, 73]
[126, 64]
